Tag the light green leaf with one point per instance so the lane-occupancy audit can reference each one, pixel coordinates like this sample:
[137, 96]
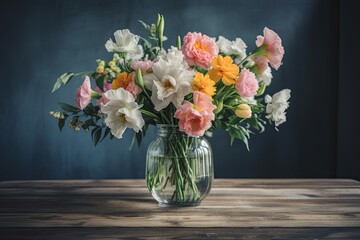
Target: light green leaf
[63, 79]
[96, 135]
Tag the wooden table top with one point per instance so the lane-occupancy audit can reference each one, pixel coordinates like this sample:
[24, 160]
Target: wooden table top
[234, 209]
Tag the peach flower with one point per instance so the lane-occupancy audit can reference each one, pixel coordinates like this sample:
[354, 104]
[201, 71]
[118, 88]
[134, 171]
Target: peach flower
[83, 94]
[195, 119]
[273, 49]
[199, 49]
[126, 81]
[247, 85]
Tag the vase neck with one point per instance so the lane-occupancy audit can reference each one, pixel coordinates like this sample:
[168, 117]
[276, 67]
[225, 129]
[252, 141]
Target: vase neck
[164, 130]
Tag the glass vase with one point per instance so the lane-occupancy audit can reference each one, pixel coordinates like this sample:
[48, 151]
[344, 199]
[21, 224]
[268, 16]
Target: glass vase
[179, 168]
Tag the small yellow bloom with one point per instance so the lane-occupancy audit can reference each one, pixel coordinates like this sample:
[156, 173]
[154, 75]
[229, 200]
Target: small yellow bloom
[102, 63]
[112, 64]
[204, 84]
[224, 68]
[100, 69]
[121, 81]
[243, 111]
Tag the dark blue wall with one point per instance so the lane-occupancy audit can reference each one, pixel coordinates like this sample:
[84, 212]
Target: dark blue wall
[42, 39]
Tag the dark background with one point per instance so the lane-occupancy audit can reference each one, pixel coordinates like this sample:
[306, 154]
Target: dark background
[42, 39]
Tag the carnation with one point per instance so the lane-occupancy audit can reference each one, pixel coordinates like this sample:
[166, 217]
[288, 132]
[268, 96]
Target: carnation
[277, 105]
[199, 50]
[237, 47]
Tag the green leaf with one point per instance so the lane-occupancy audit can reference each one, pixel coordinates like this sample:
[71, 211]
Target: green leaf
[100, 82]
[96, 135]
[139, 138]
[147, 27]
[69, 108]
[63, 79]
[107, 131]
[231, 140]
[132, 141]
[61, 123]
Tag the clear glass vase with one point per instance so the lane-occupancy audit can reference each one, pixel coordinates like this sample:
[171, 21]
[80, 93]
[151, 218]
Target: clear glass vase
[179, 168]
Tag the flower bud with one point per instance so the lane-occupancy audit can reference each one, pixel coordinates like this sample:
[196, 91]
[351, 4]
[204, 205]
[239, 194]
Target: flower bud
[139, 79]
[160, 30]
[243, 111]
[219, 107]
[261, 90]
[178, 43]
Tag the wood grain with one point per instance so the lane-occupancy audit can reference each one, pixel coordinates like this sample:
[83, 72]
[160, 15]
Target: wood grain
[260, 209]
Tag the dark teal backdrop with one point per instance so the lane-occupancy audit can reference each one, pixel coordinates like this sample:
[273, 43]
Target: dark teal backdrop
[42, 39]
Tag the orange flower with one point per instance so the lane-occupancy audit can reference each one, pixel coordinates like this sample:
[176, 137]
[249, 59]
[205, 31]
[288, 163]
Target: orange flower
[204, 84]
[122, 81]
[225, 69]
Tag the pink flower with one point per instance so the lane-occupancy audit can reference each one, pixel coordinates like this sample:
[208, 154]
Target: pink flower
[132, 87]
[107, 87]
[102, 101]
[261, 64]
[247, 85]
[274, 51]
[83, 94]
[143, 65]
[199, 50]
[195, 119]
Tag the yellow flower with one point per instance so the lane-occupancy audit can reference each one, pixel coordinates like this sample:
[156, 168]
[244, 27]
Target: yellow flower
[100, 69]
[225, 69]
[122, 81]
[243, 111]
[204, 84]
[112, 64]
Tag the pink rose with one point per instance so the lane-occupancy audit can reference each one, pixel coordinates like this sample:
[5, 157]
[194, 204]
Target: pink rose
[274, 51]
[83, 94]
[143, 65]
[199, 50]
[247, 85]
[195, 119]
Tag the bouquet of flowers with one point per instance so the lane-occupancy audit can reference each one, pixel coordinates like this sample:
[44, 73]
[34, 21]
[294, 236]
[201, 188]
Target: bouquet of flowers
[199, 85]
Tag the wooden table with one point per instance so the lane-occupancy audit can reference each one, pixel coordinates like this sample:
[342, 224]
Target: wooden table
[235, 209]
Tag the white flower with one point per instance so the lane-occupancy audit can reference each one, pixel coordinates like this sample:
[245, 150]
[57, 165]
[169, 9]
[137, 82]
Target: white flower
[237, 47]
[170, 81]
[266, 76]
[174, 56]
[122, 112]
[126, 42]
[276, 106]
